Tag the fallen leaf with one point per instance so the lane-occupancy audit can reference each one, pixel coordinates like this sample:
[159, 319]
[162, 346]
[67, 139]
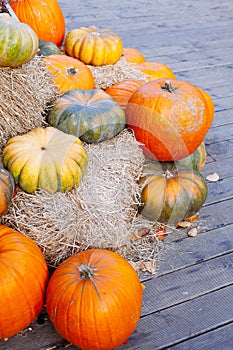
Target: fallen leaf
[192, 218]
[183, 224]
[160, 233]
[143, 232]
[193, 232]
[212, 177]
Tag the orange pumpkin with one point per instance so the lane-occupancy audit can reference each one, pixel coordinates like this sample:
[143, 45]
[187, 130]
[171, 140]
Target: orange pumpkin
[132, 55]
[169, 118]
[122, 90]
[7, 187]
[44, 16]
[94, 46]
[155, 70]
[23, 279]
[68, 73]
[94, 299]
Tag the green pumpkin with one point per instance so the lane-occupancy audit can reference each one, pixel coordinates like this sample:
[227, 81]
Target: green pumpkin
[194, 161]
[172, 196]
[18, 42]
[47, 48]
[91, 115]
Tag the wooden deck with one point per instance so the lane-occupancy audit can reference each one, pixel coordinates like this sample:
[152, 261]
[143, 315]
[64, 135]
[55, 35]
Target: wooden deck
[188, 303]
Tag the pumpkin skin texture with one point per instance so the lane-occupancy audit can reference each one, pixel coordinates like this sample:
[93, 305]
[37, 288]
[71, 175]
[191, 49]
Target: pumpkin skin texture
[155, 70]
[194, 161]
[18, 42]
[93, 45]
[45, 158]
[94, 299]
[23, 276]
[91, 115]
[132, 55]
[122, 91]
[69, 73]
[7, 187]
[172, 196]
[44, 16]
[47, 48]
[169, 118]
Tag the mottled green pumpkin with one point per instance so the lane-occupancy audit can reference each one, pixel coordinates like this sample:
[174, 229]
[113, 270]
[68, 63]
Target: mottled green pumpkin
[172, 196]
[194, 161]
[91, 115]
[7, 187]
[47, 48]
[45, 158]
[18, 42]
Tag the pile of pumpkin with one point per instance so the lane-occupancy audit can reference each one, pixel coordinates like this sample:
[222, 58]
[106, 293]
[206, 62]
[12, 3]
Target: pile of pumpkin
[94, 298]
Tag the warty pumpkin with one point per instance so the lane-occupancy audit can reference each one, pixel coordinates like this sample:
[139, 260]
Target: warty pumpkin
[172, 196]
[170, 118]
[68, 73]
[23, 280]
[132, 55]
[91, 115]
[94, 46]
[18, 42]
[45, 17]
[45, 158]
[94, 299]
[7, 188]
[122, 90]
[155, 70]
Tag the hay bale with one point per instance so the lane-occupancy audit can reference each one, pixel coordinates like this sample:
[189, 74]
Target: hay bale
[25, 93]
[100, 213]
[108, 75]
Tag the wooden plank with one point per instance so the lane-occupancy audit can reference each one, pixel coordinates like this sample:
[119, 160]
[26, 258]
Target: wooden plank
[219, 133]
[220, 338]
[188, 283]
[223, 167]
[184, 321]
[220, 150]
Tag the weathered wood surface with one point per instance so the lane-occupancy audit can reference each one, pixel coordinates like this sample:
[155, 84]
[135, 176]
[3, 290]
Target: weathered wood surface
[188, 303]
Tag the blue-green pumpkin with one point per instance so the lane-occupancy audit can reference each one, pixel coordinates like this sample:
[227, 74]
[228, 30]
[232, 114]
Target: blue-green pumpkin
[91, 115]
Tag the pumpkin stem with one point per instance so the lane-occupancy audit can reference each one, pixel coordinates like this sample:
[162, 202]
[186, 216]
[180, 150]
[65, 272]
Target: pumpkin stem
[86, 271]
[168, 174]
[168, 87]
[72, 71]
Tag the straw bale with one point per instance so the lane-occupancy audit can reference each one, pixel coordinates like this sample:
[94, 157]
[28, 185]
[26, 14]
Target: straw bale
[100, 213]
[108, 75]
[25, 93]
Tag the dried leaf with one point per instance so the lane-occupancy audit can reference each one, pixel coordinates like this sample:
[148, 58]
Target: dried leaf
[183, 224]
[161, 233]
[213, 177]
[192, 218]
[193, 232]
[143, 232]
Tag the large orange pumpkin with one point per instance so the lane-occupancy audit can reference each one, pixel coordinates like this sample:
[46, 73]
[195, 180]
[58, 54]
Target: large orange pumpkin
[122, 90]
[44, 16]
[170, 118]
[94, 299]
[68, 73]
[23, 279]
[155, 70]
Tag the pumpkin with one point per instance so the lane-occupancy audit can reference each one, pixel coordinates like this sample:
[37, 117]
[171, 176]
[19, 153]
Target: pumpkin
[169, 118]
[122, 90]
[47, 48]
[69, 73]
[132, 55]
[172, 196]
[194, 161]
[155, 70]
[7, 188]
[91, 115]
[94, 299]
[23, 279]
[94, 46]
[45, 158]
[18, 42]
[44, 16]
